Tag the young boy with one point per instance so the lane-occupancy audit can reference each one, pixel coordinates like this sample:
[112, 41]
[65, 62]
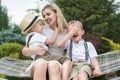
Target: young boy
[84, 61]
[31, 24]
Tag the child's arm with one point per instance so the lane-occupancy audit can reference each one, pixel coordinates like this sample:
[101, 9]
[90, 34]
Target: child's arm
[75, 28]
[61, 44]
[95, 66]
[54, 37]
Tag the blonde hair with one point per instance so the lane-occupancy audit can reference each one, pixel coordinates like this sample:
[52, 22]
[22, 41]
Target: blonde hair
[61, 21]
[73, 21]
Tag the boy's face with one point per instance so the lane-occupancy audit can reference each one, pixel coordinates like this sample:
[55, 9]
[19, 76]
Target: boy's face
[38, 27]
[78, 35]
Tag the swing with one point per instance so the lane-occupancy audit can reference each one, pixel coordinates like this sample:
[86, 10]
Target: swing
[108, 62]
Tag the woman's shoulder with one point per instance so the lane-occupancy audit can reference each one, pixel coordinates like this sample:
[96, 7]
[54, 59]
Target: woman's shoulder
[64, 32]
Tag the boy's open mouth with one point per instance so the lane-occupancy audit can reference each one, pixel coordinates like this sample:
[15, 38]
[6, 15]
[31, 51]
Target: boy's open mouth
[75, 35]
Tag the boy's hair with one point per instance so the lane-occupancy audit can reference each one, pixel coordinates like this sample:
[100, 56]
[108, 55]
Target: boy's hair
[73, 21]
[61, 21]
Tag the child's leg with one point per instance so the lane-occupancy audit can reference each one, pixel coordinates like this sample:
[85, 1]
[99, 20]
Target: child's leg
[54, 70]
[82, 75]
[84, 72]
[80, 71]
[66, 69]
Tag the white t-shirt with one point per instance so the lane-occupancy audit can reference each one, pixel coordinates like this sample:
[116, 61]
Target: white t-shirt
[36, 39]
[78, 50]
[53, 49]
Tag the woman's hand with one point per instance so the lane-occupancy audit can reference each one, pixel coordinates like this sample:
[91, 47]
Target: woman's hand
[38, 50]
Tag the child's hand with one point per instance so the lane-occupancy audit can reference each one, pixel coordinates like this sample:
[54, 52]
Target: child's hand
[56, 30]
[97, 72]
[74, 28]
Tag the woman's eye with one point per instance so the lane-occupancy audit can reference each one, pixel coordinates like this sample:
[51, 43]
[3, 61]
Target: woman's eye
[43, 16]
[48, 14]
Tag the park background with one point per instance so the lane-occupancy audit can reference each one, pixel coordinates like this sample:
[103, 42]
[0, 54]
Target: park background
[101, 19]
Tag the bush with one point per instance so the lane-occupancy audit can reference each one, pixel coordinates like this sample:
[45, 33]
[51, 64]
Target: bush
[113, 45]
[13, 50]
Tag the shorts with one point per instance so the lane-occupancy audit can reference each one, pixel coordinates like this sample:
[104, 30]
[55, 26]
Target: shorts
[48, 57]
[77, 66]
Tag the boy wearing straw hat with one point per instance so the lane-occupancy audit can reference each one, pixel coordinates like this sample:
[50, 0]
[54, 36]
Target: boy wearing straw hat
[33, 27]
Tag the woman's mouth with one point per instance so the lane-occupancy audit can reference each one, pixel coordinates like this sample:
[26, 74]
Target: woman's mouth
[48, 21]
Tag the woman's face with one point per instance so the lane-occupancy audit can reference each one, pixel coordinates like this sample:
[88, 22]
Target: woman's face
[49, 17]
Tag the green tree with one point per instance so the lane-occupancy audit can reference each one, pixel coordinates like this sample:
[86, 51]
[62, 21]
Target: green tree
[3, 18]
[113, 28]
[12, 35]
[94, 14]
[99, 18]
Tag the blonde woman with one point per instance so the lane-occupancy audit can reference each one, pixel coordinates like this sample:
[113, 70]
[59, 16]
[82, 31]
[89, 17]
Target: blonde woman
[53, 18]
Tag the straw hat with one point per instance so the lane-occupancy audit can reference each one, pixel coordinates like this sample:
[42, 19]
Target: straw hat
[28, 21]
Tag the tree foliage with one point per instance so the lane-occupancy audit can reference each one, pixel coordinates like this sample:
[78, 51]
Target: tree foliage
[99, 18]
[3, 18]
[12, 35]
[112, 30]
[94, 14]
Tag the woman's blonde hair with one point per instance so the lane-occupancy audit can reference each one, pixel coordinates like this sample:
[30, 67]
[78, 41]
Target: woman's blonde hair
[61, 21]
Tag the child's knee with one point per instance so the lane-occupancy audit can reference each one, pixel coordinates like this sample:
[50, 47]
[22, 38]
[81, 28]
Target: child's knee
[82, 73]
[68, 61]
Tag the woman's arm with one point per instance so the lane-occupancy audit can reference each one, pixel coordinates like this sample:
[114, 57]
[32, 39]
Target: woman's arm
[36, 49]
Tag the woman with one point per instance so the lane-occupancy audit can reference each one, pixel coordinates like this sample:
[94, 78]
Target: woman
[53, 18]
